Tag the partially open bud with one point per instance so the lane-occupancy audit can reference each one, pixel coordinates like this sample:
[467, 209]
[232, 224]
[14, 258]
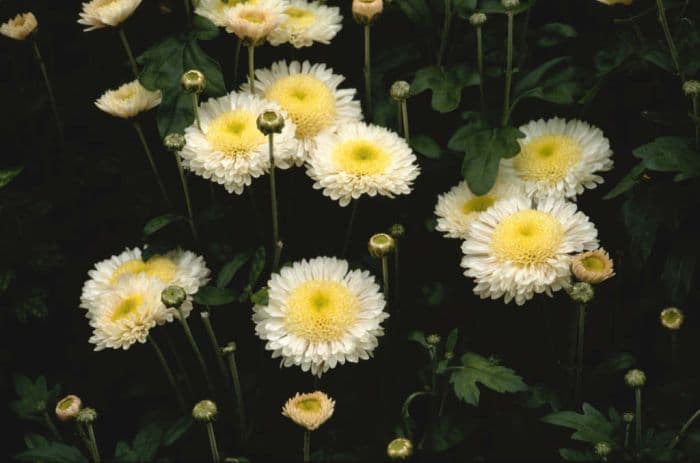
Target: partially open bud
[433, 339]
[478, 19]
[309, 411]
[174, 142]
[635, 378]
[691, 87]
[204, 410]
[592, 266]
[397, 231]
[270, 122]
[400, 90]
[381, 245]
[68, 407]
[602, 449]
[86, 415]
[20, 27]
[628, 417]
[581, 292]
[399, 449]
[193, 81]
[366, 11]
[173, 297]
[510, 4]
[672, 318]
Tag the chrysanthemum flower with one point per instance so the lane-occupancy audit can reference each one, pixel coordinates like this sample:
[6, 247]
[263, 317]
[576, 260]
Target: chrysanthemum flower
[215, 10]
[306, 23]
[459, 207]
[126, 314]
[229, 149]
[19, 27]
[309, 411]
[362, 159]
[98, 14]
[129, 100]
[320, 314]
[592, 266]
[253, 22]
[310, 95]
[560, 158]
[515, 250]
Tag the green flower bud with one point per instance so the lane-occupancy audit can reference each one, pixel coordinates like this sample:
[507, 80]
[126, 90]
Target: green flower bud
[193, 81]
[399, 449]
[173, 297]
[204, 410]
[635, 378]
[174, 142]
[270, 122]
[381, 245]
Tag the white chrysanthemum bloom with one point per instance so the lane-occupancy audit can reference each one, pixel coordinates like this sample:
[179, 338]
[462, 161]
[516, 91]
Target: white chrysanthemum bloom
[253, 22]
[320, 314]
[129, 100]
[306, 23]
[215, 10]
[227, 147]
[178, 267]
[514, 250]
[309, 411]
[19, 27]
[560, 158]
[97, 14]
[310, 95]
[125, 315]
[459, 207]
[362, 159]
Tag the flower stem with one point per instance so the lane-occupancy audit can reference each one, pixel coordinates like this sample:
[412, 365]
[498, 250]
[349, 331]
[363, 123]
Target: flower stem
[49, 87]
[178, 362]
[188, 203]
[404, 120]
[206, 320]
[579, 349]
[307, 446]
[93, 441]
[385, 276]
[212, 443]
[188, 10]
[638, 417]
[231, 348]
[149, 155]
[397, 293]
[696, 121]
[276, 243]
[236, 60]
[368, 74]
[669, 38]
[129, 53]
[351, 224]
[51, 426]
[627, 436]
[251, 68]
[197, 352]
[681, 434]
[195, 109]
[168, 372]
[480, 66]
[445, 31]
[509, 70]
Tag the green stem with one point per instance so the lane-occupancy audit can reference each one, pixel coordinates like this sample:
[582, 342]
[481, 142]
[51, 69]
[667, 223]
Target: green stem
[509, 70]
[212, 443]
[195, 109]
[237, 386]
[669, 38]
[445, 31]
[385, 276]
[307, 446]
[638, 417]
[236, 60]
[84, 438]
[480, 66]
[681, 434]
[188, 10]
[404, 120]
[149, 155]
[351, 224]
[178, 362]
[397, 293]
[197, 352]
[129, 53]
[168, 372]
[368, 74]
[49, 87]
[209, 328]
[443, 400]
[51, 426]
[579, 357]
[93, 440]
[251, 68]
[627, 436]
[276, 243]
[696, 113]
[188, 203]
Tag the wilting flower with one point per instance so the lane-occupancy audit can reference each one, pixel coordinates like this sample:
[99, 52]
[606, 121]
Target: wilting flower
[19, 27]
[229, 149]
[97, 14]
[253, 22]
[129, 100]
[616, 2]
[309, 411]
[592, 266]
[515, 250]
[362, 159]
[68, 407]
[459, 207]
[306, 23]
[560, 158]
[320, 314]
[310, 95]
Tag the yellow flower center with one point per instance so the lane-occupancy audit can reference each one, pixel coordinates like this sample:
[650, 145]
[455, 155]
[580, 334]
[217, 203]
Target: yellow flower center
[307, 100]
[593, 263]
[319, 311]
[299, 18]
[235, 133]
[255, 17]
[309, 405]
[361, 157]
[157, 266]
[126, 307]
[547, 158]
[65, 403]
[527, 237]
[478, 204]
[126, 93]
[130, 267]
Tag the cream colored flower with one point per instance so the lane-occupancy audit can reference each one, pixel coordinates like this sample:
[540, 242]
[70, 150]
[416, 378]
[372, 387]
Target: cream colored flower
[592, 266]
[306, 23]
[19, 27]
[365, 11]
[216, 10]
[320, 314]
[253, 22]
[129, 100]
[309, 411]
[68, 407]
[97, 14]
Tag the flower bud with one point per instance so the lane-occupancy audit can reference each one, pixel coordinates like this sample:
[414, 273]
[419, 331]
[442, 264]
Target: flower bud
[510, 4]
[478, 19]
[691, 87]
[581, 292]
[204, 410]
[173, 297]
[193, 81]
[602, 449]
[366, 11]
[397, 231]
[399, 449]
[381, 245]
[628, 417]
[86, 416]
[270, 122]
[592, 266]
[635, 378]
[672, 318]
[229, 348]
[20, 27]
[68, 407]
[433, 339]
[400, 90]
[174, 142]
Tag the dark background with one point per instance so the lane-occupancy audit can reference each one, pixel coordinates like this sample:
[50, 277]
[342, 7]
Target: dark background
[82, 200]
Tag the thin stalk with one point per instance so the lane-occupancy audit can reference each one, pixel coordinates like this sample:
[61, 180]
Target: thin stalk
[351, 224]
[149, 155]
[579, 348]
[445, 31]
[197, 352]
[178, 362]
[51, 426]
[236, 60]
[307, 446]
[195, 109]
[188, 203]
[669, 38]
[399, 118]
[84, 438]
[385, 275]
[368, 74]
[168, 372]
[573, 349]
[188, 10]
[696, 113]
[49, 87]
[397, 293]
[480, 66]
[251, 68]
[627, 436]
[404, 119]
[509, 70]
[276, 243]
[681, 434]
[212, 443]
[93, 440]
[129, 53]
[236, 386]
[209, 328]
[638, 417]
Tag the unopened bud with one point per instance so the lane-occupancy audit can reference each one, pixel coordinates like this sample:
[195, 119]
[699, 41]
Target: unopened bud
[400, 90]
[193, 81]
[270, 122]
[174, 142]
[477, 19]
[86, 416]
[510, 4]
[173, 297]
[691, 87]
[672, 318]
[399, 449]
[204, 410]
[381, 245]
[581, 292]
[635, 378]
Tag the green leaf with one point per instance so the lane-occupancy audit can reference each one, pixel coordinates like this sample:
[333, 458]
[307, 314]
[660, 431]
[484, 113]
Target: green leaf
[34, 396]
[627, 182]
[257, 267]
[54, 452]
[147, 442]
[555, 81]
[260, 297]
[642, 219]
[447, 433]
[555, 33]
[679, 267]
[177, 430]
[445, 84]
[540, 395]
[578, 455]
[621, 361]
[229, 270]
[426, 146]
[484, 151]
[590, 426]
[204, 29]
[32, 440]
[417, 11]
[160, 222]
[451, 342]
[458, 141]
[7, 175]
[419, 337]
[477, 369]
[465, 8]
[671, 154]
[213, 296]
